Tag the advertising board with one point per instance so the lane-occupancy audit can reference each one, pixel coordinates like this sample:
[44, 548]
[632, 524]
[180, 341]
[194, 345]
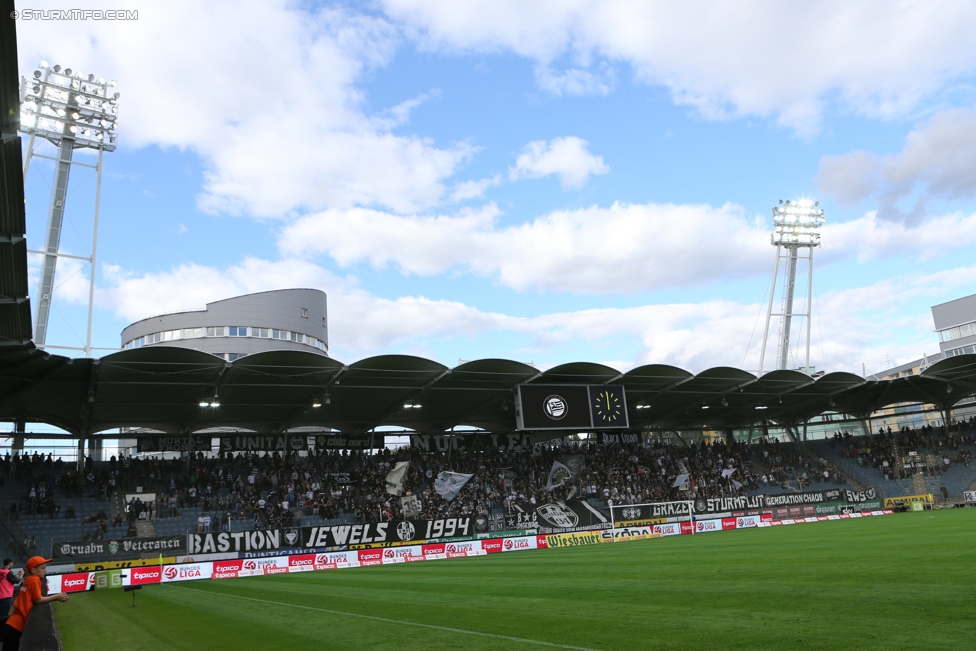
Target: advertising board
[187, 572]
[554, 541]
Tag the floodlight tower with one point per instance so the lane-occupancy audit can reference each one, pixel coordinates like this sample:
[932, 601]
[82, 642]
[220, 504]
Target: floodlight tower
[72, 111]
[796, 232]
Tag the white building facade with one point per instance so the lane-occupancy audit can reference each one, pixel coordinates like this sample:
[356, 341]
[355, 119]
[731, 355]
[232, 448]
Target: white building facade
[284, 319]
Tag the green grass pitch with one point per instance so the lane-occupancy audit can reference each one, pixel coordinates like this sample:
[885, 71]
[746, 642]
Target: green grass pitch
[904, 581]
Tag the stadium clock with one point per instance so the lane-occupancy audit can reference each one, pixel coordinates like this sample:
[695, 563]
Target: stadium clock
[608, 408]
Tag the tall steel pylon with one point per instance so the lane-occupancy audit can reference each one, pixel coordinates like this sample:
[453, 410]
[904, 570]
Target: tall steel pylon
[71, 111]
[796, 224]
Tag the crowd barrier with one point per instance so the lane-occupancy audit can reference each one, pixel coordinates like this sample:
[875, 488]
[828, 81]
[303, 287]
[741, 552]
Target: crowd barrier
[309, 562]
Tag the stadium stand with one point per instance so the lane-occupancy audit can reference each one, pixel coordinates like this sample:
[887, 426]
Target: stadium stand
[906, 462]
[349, 487]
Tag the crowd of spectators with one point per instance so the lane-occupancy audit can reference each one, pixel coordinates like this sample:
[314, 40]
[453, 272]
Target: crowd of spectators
[902, 453]
[283, 490]
[788, 468]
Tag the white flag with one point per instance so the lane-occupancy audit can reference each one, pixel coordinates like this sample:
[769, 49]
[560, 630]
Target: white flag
[411, 506]
[727, 473]
[558, 476]
[736, 485]
[679, 481]
[449, 484]
[394, 480]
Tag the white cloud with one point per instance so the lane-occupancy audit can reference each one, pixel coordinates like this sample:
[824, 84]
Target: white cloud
[473, 189]
[871, 237]
[266, 92]
[622, 248]
[849, 178]
[568, 158]
[575, 81]
[783, 60]
[360, 323]
[937, 161]
[71, 283]
[858, 325]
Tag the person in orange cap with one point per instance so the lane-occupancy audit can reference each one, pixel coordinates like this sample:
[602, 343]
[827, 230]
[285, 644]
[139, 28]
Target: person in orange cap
[30, 595]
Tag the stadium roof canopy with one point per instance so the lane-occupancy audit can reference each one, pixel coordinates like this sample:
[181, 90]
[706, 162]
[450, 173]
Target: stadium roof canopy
[162, 388]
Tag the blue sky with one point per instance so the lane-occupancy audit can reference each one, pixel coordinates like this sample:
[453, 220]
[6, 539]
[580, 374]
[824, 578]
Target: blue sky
[547, 182]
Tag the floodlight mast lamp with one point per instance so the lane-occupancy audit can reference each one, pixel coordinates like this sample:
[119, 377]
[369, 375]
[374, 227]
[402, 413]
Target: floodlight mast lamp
[72, 111]
[796, 225]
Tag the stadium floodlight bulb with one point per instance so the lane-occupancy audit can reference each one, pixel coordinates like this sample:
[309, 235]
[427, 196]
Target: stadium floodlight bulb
[58, 106]
[796, 223]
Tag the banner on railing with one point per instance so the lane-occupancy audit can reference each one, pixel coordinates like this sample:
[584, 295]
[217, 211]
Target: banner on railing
[837, 508]
[174, 444]
[650, 514]
[117, 565]
[969, 496]
[445, 442]
[134, 548]
[860, 496]
[492, 522]
[339, 442]
[557, 517]
[263, 443]
[812, 497]
[332, 536]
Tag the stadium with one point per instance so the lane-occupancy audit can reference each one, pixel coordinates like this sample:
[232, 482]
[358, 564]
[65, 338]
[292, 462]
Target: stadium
[276, 497]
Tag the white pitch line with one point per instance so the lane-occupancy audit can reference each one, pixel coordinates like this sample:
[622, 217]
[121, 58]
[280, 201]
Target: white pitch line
[387, 620]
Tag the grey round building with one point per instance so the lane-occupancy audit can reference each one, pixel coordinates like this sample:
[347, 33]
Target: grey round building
[284, 319]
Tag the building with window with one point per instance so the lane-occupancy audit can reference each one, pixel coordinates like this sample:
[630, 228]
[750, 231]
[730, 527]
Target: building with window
[284, 319]
[955, 322]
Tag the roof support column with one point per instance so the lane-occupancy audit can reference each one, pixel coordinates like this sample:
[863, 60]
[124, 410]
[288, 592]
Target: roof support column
[189, 446]
[729, 435]
[866, 425]
[81, 453]
[95, 449]
[20, 428]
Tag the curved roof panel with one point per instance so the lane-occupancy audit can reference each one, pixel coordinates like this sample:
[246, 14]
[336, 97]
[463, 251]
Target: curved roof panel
[579, 373]
[162, 388]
